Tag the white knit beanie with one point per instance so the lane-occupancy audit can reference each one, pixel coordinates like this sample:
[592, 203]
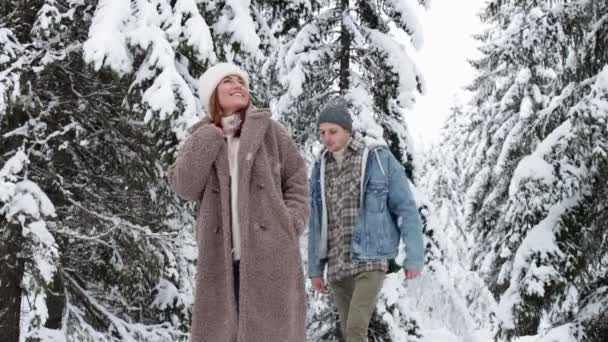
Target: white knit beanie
[213, 76]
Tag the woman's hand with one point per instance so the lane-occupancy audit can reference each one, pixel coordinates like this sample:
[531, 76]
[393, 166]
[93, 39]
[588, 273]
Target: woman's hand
[218, 129]
[188, 175]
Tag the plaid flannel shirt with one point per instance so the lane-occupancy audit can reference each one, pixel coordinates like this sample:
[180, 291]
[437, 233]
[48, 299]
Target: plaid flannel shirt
[342, 193]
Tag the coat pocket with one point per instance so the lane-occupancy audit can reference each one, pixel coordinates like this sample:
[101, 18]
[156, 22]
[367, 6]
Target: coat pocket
[271, 212]
[376, 196]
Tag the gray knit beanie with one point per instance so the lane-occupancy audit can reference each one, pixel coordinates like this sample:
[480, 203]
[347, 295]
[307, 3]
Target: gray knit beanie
[336, 111]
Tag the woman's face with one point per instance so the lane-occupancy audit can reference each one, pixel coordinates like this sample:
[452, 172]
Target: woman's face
[232, 94]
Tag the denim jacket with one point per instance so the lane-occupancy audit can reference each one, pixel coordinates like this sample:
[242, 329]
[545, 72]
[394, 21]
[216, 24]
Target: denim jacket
[387, 214]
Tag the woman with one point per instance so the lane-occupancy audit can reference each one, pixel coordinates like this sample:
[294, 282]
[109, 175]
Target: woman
[250, 181]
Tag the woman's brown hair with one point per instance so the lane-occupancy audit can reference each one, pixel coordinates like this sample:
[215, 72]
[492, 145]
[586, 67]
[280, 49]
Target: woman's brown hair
[215, 113]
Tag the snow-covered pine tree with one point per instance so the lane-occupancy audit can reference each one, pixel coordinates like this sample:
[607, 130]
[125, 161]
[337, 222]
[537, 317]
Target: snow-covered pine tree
[362, 50]
[100, 250]
[454, 297]
[250, 33]
[95, 97]
[10, 241]
[535, 177]
[277, 23]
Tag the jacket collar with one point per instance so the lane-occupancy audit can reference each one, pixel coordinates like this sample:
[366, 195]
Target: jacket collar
[353, 146]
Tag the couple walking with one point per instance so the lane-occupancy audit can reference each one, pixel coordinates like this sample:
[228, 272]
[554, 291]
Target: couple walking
[255, 200]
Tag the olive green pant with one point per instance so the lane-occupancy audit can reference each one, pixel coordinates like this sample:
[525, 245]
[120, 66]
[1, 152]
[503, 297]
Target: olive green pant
[356, 299]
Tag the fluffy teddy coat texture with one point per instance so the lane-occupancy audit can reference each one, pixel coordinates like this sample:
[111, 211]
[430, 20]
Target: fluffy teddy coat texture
[273, 208]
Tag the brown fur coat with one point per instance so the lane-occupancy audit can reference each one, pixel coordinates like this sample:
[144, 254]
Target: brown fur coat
[273, 208]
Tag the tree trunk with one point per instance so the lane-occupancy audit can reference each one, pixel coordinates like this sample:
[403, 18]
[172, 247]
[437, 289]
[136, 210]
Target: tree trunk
[11, 274]
[345, 42]
[55, 302]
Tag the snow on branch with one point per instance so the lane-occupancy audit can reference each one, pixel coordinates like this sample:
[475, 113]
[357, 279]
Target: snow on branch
[530, 277]
[406, 14]
[194, 30]
[121, 30]
[126, 331]
[400, 62]
[296, 59]
[107, 43]
[237, 22]
[24, 203]
[10, 53]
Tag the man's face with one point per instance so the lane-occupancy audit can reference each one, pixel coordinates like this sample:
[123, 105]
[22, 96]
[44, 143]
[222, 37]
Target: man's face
[332, 136]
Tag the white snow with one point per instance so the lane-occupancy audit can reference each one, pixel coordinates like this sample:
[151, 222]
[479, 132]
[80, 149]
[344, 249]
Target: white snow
[107, 43]
[531, 167]
[236, 20]
[528, 277]
[597, 306]
[475, 190]
[524, 76]
[49, 335]
[24, 198]
[410, 13]
[195, 29]
[366, 118]
[10, 48]
[526, 108]
[293, 63]
[47, 252]
[401, 63]
[12, 166]
[562, 333]
[534, 166]
[47, 17]
[120, 28]
[509, 143]
[167, 295]
[22, 201]
[44, 203]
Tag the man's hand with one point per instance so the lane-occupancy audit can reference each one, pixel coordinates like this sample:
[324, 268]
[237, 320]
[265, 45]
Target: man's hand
[411, 274]
[319, 284]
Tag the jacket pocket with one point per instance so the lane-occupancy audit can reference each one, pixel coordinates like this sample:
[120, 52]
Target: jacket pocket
[376, 196]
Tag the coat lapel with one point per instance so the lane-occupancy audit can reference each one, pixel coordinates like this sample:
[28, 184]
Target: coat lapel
[252, 135]
[254, 129]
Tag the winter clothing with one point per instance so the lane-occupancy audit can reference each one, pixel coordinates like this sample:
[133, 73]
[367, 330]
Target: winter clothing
[387, 214]
[338, 156]
[356, 298]
[342, 195]
[336, 112]
[213, 76]
[272, 211]
[236, 277]
[233, 164]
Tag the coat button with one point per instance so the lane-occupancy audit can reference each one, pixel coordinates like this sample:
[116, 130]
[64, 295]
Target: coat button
[259, 226]
[217, 229]
[216, 190]
[260, 185]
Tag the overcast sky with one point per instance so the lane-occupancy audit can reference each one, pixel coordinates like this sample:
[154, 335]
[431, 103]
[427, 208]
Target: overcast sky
[449, 26]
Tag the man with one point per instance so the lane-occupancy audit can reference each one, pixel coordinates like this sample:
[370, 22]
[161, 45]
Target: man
[361, 206]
